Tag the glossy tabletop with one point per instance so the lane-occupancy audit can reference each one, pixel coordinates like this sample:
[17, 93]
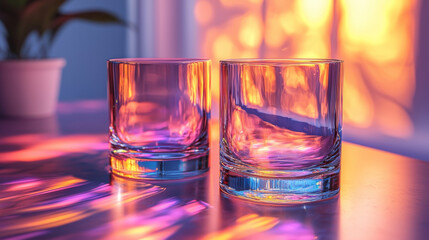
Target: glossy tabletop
[55, 183]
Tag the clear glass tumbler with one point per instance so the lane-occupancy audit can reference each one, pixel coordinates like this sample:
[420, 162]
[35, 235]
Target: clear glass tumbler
[159, 111]
[280, 126]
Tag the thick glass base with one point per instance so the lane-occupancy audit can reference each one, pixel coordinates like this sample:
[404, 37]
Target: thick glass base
[280, 190]
[159, 169]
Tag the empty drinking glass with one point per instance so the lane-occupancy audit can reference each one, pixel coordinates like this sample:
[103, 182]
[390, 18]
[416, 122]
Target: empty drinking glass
[281, 129]
[159, 111]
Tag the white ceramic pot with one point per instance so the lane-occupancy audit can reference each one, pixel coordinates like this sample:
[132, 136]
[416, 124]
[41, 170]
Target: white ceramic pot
[30, 88]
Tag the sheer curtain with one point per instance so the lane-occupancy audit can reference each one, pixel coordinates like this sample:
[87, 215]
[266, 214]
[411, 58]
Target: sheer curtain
[162, 28]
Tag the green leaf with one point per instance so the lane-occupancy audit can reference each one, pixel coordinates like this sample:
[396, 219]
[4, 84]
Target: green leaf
[40, 14]
[22, 17]
[36, 16]
[94, 16]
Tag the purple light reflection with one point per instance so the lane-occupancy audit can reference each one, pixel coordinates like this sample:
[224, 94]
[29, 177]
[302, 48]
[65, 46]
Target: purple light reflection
[157, 222]
[28, 235]
[19, 190]
[254, 226]
[46, 147]
[32, 205]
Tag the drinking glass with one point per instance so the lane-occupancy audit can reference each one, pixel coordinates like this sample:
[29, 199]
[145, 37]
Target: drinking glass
[159, 111]
[280, 124]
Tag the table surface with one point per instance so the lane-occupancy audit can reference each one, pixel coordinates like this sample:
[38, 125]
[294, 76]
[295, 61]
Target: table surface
[55, 183]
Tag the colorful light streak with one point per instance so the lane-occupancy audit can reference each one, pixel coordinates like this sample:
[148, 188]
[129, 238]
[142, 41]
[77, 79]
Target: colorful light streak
[254, 226]
[46, 147]
[160, 221]
[51, 205]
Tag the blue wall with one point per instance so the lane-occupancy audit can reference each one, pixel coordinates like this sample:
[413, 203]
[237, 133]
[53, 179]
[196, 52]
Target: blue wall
[86, 47]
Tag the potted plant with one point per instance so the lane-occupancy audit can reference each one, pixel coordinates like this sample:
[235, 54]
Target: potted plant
[29, 80]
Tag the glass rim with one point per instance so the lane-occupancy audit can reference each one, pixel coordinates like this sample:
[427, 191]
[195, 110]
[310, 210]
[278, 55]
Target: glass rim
[157, 60]
[280, 61]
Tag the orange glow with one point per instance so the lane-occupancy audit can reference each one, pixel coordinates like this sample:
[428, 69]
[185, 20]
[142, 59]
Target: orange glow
[23, 139]
[275, 37]
[193, 85]
[315, 13]
[375, 38]
[45, 221]
[294, 77]
[22, 186]
[269, 76]
[197, 82]
[158, 222]
[306, 106]
[212, 186]
[46, 148]
[250, 33]
[127, 164]
[238, 34]
[288, 23]
[203, 12]
[297, 98]
[358, 103]
[245, 226]
[36, 187]
[222, 46]
[238, 3]
[79, 205]
[127, 85]
[298, 28]
[394, 120]
[208, 83]
[251, 92]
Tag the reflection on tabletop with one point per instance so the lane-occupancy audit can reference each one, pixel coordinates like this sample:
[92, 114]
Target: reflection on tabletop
[71, 207]
[55, 183]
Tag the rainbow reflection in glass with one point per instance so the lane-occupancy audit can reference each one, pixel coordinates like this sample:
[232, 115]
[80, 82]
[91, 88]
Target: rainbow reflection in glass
[159, 111]
[281, 129]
